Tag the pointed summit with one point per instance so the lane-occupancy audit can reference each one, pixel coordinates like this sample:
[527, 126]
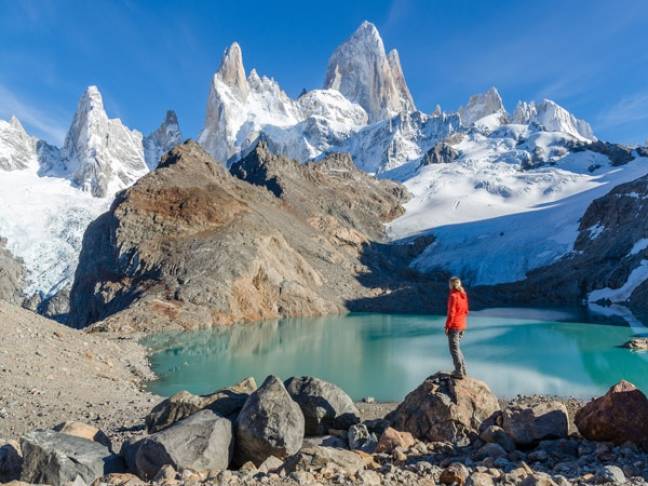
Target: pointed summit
[482, 105]
[361, 70]
[101, 155]
[163, 139]
[16, 125]
[231, 70]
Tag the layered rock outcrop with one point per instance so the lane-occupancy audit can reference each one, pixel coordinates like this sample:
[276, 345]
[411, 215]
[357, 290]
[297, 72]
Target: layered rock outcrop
[191, 246]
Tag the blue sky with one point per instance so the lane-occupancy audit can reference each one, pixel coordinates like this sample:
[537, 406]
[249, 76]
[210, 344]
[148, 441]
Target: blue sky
[591, 56]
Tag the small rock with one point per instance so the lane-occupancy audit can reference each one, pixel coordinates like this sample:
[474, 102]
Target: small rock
[165, 473]
[455, 473]
[497, 435]
[491, 450]
[318, 457]
[637, 344]
[392, 438]
[85, 431]
[271, 464]
[359, 437]
[369, 478]
[480, 479]
[610, 474]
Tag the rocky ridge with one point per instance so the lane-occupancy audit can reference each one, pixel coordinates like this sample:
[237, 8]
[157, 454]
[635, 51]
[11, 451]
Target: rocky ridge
[190, 245]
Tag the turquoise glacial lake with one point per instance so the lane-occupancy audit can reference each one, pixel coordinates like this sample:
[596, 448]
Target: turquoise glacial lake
[516, 351]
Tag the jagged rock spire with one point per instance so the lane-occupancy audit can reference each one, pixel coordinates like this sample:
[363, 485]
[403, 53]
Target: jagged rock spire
[231, 70]
[163, 139]
[482, 105]
[362, 71]
[100, 154]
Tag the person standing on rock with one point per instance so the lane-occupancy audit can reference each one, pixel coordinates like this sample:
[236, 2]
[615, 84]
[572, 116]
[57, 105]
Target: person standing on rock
[456, 324]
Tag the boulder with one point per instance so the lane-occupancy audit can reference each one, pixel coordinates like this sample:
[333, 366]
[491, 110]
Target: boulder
[324, 405]
[55, 458]
[270, 424]
[618, 416]
[270, 465]
[528, 425]
[201, 441]
[314, 458]
[637, 344]
[10, 461]
[392, 438]
[444, 408]
[85, 431]
[225, 402]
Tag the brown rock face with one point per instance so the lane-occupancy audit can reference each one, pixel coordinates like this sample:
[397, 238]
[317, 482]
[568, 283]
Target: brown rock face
[190, 246]
[12, 273]
[618, 416]
[444, 408]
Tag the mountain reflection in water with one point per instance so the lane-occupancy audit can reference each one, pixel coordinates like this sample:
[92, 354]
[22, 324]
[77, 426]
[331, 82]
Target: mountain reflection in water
[387, 355]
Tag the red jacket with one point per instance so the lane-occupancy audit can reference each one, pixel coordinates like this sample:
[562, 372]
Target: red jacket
[457, 310]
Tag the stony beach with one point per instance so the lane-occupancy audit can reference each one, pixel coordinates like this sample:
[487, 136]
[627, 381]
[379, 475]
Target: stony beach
[74, 409]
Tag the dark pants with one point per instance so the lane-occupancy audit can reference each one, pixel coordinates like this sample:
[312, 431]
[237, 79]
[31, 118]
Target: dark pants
[454, 338]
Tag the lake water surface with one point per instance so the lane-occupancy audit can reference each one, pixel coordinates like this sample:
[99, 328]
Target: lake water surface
[387, 355]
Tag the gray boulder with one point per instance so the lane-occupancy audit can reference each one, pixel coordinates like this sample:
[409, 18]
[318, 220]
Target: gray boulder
[224, 402]
[444, 408]
[270, 424]
[325, 406]
[56, 458]
[201, 441]
[528, 425]
[310, 458]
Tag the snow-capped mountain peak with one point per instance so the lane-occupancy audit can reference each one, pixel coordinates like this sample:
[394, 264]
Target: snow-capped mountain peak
[163, 139]
[362, 71]
[16, 146]
[100, 155]
[231, 70]
[553, 118]
[484, 110]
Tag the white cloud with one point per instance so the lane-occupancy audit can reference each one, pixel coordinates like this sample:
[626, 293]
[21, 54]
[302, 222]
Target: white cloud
[51, 128]
[629, 109]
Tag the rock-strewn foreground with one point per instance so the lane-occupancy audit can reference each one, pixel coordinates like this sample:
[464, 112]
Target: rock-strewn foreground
[263, 440]
[51, 374]
[191, 245]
